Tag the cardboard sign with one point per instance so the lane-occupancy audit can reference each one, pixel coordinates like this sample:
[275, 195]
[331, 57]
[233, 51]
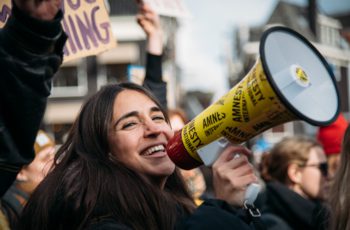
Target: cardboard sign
[172, 8]
[86, 23]
[5, 11]
[88, 28]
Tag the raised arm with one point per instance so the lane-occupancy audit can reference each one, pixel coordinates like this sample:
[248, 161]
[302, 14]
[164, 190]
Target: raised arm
[150, 23]
[39, 9]
[31, 51]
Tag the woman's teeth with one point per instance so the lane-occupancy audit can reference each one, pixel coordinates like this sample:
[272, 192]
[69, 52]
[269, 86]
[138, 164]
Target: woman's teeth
[154, 149]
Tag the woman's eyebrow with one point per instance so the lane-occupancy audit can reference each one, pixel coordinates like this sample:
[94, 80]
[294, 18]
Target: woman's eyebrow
[155, 109]
[127, 115]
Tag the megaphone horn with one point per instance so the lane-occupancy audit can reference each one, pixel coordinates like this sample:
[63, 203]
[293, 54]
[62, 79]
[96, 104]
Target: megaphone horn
[290, 81]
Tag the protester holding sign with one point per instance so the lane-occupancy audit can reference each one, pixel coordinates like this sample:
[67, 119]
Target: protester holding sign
[31, 50]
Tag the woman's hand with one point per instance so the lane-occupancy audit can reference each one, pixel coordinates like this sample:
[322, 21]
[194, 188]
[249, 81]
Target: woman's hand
[39, 9]
[232, 175]
[150, 23]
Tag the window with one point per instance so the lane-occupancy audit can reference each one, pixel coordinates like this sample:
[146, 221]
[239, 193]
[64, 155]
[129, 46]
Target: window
[111, 73]
[71, 80]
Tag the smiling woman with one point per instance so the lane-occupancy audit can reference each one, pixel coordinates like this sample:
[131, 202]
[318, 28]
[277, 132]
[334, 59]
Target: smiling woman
[114, 173]
[136, 118]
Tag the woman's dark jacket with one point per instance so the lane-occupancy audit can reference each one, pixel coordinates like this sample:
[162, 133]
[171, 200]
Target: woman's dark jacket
[211, 214]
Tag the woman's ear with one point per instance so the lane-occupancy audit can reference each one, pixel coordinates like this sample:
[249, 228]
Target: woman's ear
[294, 173]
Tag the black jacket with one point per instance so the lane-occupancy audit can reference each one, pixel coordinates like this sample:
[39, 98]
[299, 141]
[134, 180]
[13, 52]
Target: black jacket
[211, 214]
[31, 52]
[284, 209]
[217, 214]
[153, 79]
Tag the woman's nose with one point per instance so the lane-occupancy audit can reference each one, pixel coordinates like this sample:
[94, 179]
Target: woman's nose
[151, 128]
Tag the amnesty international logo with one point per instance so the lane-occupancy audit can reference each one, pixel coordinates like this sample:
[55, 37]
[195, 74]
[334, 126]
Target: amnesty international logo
[301, 75]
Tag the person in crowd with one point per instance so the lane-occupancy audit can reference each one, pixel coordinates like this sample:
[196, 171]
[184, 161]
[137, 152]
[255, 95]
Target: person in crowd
[114, 173]
[339, 200]
[331, 138]
[296, 173]
[31, 51]
[28, 178]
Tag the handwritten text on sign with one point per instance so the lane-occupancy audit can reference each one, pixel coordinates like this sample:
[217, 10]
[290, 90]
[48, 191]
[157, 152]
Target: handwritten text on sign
[88, 28]
[86, 23]
[5, 11]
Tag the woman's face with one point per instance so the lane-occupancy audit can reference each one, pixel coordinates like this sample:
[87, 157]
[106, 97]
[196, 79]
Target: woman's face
[313, 182]
[139, 135]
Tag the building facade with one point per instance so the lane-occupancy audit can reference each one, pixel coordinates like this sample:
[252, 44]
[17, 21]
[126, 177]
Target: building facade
[325, 35]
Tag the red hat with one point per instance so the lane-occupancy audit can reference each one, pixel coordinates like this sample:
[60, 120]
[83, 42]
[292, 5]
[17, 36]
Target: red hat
[331, 136]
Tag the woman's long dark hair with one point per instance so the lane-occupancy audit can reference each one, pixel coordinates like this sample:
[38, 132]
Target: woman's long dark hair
[86, 185]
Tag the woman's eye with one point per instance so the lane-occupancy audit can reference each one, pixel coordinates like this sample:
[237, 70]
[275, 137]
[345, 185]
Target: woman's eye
[158, 118]
[129, 125]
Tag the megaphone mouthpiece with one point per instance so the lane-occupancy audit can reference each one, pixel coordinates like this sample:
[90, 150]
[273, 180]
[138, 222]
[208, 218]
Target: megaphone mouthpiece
[179, 155]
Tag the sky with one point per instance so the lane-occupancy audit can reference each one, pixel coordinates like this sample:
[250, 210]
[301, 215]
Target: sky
[204, 39]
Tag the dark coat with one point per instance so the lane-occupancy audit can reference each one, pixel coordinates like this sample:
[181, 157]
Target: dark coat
[153, 79]
[284, 209]
[31, 52]
[217, 214]
[211, 214]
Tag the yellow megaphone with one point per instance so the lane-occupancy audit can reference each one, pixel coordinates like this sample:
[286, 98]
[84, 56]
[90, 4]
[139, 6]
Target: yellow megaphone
[291, 80]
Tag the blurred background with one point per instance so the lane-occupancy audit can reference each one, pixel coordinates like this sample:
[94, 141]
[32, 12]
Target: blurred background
[208, 50]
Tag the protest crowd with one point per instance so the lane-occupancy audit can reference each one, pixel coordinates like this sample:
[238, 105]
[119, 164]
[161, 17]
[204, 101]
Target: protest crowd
[113, 172]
